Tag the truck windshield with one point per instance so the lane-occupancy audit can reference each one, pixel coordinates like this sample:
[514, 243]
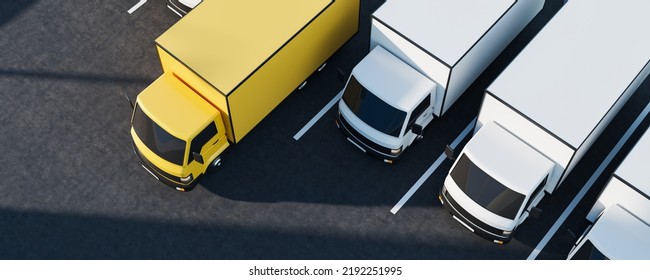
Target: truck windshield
[372, 110]
[589, 252]
[157, 139]
[485, 190]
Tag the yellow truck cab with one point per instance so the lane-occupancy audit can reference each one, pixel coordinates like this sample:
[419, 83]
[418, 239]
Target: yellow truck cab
[176, 134]
[227, 65]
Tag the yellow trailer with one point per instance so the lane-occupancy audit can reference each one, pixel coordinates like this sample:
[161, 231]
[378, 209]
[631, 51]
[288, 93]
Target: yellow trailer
[226, 65]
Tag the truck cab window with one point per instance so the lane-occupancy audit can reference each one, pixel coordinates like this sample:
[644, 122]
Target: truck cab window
[203, 137]
[372, 110]
[485, 190]
[157, 139]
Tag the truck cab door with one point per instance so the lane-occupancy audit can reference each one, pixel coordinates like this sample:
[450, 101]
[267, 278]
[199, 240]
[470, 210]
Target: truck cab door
[422, 115]
[535, 198]
[208, 144]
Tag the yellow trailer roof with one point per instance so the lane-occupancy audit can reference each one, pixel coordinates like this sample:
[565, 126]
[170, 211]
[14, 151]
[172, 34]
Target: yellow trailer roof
[225, 41]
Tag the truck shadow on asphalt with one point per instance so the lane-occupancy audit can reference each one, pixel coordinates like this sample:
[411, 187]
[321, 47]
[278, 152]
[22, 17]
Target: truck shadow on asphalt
[37, 235]
[78, 77]
[341, 175]
[11, 9]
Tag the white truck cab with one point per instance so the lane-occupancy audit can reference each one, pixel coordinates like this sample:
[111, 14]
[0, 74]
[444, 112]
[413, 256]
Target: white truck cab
[618, 234]
[497, 177]
[385, 102]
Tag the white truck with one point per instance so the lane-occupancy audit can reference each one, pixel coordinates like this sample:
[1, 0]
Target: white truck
[620, 218]
[544, 111]
[424, 55]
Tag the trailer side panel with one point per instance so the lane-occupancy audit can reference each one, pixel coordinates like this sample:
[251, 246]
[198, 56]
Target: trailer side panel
[613, 111]
[487, 48]
[271, 83]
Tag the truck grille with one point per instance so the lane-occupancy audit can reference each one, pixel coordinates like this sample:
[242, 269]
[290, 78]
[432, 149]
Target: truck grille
[478, 224]
[153, 168]
[361, 139]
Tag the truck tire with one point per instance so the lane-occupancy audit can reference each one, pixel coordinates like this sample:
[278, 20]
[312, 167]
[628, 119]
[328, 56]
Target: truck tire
[214, 165]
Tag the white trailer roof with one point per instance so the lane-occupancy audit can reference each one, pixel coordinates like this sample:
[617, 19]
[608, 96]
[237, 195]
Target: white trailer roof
[634, 168]
[446, 29]
[575, 69]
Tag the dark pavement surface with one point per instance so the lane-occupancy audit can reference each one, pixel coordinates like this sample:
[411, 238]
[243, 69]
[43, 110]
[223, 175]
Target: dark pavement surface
[73, 189]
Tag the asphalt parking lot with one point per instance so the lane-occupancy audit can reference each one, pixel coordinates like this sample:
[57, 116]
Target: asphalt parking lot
[73, 189]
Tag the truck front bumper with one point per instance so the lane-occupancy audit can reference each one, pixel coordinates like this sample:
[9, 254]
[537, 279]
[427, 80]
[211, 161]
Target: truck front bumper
[365, 144]
[470, 222]
[162, 176]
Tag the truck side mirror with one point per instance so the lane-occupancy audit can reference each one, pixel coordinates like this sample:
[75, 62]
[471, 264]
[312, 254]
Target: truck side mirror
[450, 153]
[417, 129]
[130, 102]
[535, 212]
[198, 157]
[341, 75]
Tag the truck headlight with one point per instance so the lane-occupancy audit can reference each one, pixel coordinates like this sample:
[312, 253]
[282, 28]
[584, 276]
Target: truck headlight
[187, 179]
[395, 151]
[507, 232]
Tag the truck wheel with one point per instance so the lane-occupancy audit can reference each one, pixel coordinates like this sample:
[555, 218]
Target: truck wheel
[214, 165]
[301, 86]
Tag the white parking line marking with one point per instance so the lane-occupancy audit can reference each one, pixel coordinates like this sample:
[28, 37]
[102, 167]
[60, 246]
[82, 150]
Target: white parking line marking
[138, 5]
[318, 116]
[432, 168]
[589, 184]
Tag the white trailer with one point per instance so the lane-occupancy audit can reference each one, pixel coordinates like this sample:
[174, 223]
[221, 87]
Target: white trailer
[620, 218]
[545, 110]
[424, 55]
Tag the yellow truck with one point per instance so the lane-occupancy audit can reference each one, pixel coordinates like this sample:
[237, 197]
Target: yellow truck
[226, 65]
